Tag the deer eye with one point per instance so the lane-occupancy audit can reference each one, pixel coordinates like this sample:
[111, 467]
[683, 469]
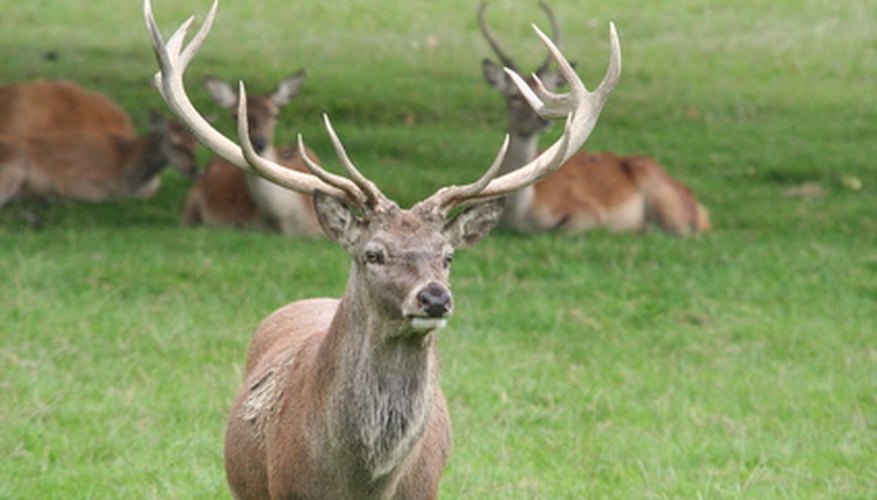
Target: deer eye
[446, 262]
[374, 257]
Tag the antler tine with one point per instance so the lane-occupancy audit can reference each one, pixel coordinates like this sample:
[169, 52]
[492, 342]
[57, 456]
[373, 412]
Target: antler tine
[613, 73]
[173, 58]
[543, 101]
[341, 183]
[447, 198]
[581, 109]
[555, 35]
[368, 188]
[503, 57]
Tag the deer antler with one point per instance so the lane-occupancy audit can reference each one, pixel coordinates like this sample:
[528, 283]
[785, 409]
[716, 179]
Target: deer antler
[555, 36]
[581, 109]
[173, 58]
[503, 57]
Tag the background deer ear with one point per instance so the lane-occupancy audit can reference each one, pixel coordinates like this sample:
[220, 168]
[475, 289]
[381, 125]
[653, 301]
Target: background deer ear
[495, 76]
[337, 220]
[474, 223]
[221, 92]
[288, 88]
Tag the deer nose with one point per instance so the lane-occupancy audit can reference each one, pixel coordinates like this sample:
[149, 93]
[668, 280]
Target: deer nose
[259, 143]
[435, 300]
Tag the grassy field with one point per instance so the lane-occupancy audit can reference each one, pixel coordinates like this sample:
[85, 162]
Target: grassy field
[740, 364]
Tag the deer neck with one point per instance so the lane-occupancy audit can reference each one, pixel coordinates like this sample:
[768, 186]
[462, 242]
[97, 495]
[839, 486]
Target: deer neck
[144, 160]
[381, 388]
[522, 149]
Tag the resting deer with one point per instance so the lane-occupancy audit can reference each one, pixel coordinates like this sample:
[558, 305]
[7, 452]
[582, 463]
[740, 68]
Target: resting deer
[591, 190]
[341, 397]
[227, 196]
[92, 165]
[28, 108]
[60, 140]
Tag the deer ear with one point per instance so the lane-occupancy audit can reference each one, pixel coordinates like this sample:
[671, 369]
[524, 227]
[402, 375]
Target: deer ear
[337, 220]
[288, 88]
[474, 223]
[495, 76]
[221, 92]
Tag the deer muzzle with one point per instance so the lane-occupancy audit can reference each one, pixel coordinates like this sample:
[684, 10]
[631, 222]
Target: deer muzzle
[434, 300]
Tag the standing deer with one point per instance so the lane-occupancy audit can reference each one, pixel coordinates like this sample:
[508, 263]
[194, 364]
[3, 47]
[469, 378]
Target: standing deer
[591, 190]
[341, 397]
[227, 196]
[29, 108]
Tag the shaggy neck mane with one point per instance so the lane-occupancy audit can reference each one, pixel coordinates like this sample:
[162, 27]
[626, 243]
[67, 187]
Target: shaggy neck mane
[378, 383]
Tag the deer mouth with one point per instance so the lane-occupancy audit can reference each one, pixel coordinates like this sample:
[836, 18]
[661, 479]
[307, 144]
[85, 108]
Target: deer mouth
[424, 324]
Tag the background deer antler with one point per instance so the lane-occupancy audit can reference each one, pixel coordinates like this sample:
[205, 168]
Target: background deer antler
[581, 109]
[504, 58]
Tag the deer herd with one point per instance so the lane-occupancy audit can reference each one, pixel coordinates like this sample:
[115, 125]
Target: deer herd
[341, 397]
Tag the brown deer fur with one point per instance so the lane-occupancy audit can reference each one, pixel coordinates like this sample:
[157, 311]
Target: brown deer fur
[29, 108]
[92, 165]
[58, 140]
[225, 196]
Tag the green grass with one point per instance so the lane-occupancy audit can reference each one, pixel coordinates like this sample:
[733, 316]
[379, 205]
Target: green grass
[740, 364]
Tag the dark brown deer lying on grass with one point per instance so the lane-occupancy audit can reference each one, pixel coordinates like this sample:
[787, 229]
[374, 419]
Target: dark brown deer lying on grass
[591, 190]
[227, 196]
[341, 397]
[61, 141]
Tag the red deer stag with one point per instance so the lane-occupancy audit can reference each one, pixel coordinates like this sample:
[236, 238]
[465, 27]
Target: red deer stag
[341, 397]
[227, 196]
[591, 190]
[59, 140]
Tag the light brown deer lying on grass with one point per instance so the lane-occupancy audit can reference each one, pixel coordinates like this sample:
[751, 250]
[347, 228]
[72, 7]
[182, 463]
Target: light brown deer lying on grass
[227, 196]
[341, 397]
[92, 165]
[591, 190]
[28, 108]
[61, 141]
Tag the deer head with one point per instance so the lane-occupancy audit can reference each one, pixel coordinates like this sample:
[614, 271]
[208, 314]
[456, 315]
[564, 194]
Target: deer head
[401, 256]
[176, 144]
[262, 110]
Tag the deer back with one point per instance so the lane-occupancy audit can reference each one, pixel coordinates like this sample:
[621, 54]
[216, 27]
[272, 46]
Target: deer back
[28, 108]
[219, 198]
